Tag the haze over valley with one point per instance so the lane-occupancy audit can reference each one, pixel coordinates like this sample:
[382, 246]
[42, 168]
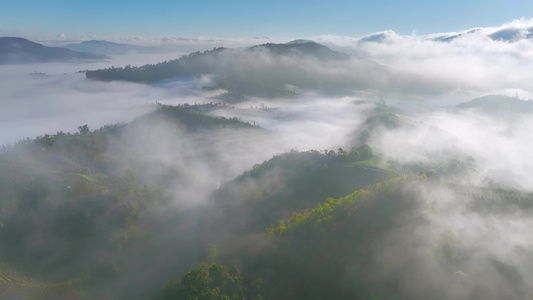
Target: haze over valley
[382, 165]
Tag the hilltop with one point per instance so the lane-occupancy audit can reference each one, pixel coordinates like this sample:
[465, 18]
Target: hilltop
[302, 47]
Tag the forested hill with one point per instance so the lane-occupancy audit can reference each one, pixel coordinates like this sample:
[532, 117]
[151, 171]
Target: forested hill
[207, 62]
[305, 48]
[118, 212]
[14, 50]
[194, 64]
[264, 70]
[188, 117]
[295, 181]
[369, 244]
[66, 197]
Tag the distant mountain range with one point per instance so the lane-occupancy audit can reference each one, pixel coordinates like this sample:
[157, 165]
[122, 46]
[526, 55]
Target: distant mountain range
[15, 50]
[108, 48]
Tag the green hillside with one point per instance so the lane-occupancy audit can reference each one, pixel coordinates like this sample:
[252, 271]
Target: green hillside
[294, 181]
[68, 196]
[334, 250]
[132, 211]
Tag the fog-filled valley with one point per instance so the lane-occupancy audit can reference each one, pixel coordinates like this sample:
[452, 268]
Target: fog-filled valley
[380, 167]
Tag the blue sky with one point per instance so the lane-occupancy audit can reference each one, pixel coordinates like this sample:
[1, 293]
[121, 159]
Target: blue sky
[240, 18]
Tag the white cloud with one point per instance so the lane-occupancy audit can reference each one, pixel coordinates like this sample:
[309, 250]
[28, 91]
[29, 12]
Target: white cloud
[469, 60]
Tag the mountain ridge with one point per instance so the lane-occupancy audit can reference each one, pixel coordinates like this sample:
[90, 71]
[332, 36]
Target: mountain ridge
[107, 48]
[498, 104]
[17, 50]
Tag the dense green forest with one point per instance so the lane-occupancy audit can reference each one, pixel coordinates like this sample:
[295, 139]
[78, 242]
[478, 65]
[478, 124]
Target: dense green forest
[102, 214]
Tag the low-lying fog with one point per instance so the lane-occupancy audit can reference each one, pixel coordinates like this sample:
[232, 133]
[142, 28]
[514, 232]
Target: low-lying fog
[42, 99]
[46, 98]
